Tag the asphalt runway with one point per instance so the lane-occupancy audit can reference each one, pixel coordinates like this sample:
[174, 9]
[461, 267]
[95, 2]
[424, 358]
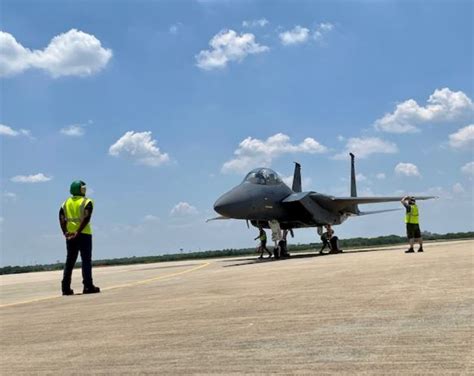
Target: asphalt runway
[372, 312]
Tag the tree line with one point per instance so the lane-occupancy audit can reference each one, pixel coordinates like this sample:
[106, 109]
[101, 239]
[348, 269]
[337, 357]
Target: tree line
[344, 243]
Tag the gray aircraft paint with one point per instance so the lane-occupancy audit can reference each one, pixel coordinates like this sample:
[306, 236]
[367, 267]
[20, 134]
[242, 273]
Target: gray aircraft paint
[258, 200]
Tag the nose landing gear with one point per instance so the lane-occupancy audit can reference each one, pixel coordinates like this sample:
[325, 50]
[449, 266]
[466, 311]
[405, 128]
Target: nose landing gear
[276, 236]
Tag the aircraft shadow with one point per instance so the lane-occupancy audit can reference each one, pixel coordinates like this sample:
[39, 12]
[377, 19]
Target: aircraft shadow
[165, 267]
[254, 261]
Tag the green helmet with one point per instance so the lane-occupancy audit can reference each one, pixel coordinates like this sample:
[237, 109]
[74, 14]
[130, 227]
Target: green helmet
[76, 188]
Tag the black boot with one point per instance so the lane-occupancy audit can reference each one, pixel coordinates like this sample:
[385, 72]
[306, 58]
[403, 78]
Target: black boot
[420, 249]
[66, 288]
[91, 290]
[410, 250]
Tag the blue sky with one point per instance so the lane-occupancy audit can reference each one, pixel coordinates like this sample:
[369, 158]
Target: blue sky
[210, 89]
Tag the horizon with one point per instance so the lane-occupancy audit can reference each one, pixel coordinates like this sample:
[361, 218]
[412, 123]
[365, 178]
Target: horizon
[442, 237]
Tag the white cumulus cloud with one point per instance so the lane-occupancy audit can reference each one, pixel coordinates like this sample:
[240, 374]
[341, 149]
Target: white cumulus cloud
[468, 169]
[253, 152]
[442, 105]
[463, 138]
[322, 30]
[227, 46]
[75, 130]
[37, 178]
[150, 218]
[73, 53]
[380, 176]
[255, 23]
[364, 147]
[407, 169]
[141, 147]
[182, 209]
[5, 130]
[297, 35]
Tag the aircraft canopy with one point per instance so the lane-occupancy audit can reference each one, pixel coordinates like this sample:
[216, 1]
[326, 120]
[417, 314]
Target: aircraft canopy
[263, 176]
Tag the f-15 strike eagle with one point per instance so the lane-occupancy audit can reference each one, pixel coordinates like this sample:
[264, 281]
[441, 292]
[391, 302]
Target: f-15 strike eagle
[266, 201]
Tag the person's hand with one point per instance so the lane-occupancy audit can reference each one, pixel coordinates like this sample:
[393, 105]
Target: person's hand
[71, 235]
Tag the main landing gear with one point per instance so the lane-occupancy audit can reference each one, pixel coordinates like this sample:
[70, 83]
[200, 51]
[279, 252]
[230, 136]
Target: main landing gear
[329, 240]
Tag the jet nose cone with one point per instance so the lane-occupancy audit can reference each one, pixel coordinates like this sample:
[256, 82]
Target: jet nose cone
[233, 204]
[223, 204]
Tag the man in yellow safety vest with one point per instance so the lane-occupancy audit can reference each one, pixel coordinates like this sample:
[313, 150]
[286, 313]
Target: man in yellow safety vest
[262, 236]
[413, 224]
[74, 218]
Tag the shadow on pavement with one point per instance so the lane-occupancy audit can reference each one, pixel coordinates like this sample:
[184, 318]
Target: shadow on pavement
[252, 261]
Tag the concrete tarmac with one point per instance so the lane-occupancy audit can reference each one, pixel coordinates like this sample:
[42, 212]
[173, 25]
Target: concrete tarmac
[377, 311]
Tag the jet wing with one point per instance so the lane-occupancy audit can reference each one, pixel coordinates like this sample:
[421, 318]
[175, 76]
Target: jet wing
[347, 203]
[373, 200]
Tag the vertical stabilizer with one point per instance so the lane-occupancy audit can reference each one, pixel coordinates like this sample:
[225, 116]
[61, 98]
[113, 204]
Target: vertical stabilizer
[355, 208]
[353, 177]
[297, 178]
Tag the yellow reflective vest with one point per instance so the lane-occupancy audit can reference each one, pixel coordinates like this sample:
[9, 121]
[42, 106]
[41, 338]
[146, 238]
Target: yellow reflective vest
[74, 208]
[412, 215]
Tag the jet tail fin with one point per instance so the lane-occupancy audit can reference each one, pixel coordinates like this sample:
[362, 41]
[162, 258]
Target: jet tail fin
[354, 208]
[297, 178]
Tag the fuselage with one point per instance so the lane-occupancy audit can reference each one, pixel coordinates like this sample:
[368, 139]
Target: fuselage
[259, 199]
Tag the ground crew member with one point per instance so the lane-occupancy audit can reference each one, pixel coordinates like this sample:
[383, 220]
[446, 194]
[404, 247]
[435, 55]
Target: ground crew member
[74, 218]
[330, 240]
[262, 236]
[325, 242]
[413, 224]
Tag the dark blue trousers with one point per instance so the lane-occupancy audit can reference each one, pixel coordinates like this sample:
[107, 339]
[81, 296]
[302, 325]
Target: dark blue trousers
[82, 243]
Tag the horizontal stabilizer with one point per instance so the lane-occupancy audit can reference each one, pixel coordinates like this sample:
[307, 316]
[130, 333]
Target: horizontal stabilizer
[378, 211]
[217, 218]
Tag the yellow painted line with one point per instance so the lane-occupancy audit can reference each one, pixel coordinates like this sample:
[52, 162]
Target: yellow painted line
[31, 301]
[142, 282]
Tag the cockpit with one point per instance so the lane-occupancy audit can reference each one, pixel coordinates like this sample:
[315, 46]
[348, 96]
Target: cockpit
[263, 176]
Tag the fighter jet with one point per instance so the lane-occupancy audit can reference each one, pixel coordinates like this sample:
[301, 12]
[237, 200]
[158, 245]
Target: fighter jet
[264, 200]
